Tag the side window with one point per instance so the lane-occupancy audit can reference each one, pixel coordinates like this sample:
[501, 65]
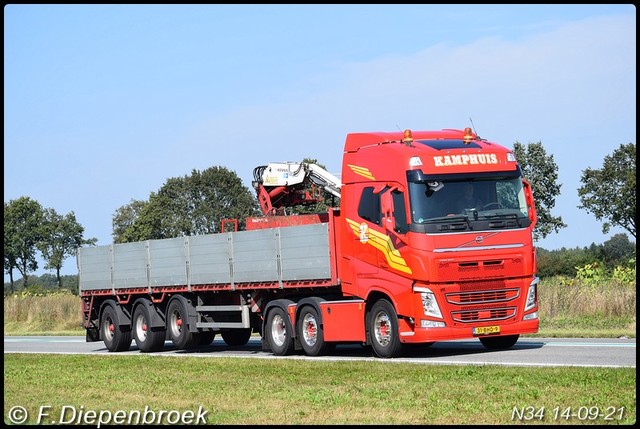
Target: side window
[369, 207]
[507, 195]
[400, 212]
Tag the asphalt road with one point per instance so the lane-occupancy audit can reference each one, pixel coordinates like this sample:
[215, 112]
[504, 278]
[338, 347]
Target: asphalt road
[583, 352]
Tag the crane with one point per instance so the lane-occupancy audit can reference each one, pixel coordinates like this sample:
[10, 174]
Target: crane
[284, 184]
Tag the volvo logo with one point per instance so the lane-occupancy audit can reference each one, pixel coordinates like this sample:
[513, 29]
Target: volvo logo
[479, 239]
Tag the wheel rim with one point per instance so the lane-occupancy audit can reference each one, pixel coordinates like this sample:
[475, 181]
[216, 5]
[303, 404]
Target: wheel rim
[175, 324]
[108, 329]
[141, 328]
[278, 330]
[309, 329]
[382, 329]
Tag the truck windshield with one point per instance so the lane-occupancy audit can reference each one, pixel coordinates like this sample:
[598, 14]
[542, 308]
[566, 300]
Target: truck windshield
[473, 199]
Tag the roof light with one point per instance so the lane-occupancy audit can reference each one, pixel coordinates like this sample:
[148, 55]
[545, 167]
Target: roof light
[415, 161]
[468, 135]
[407, 138]
[511, 157]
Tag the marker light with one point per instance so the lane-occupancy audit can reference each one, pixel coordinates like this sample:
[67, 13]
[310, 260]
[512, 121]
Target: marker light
[415, 161]
[511, 157]
[408, 138]
[468, 135]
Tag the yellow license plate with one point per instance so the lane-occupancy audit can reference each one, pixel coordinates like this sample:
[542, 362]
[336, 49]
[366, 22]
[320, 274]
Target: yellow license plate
[486, 330]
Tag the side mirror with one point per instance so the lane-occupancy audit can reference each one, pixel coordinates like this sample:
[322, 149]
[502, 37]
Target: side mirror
[388, 220]
[531, 206]
[387, 211]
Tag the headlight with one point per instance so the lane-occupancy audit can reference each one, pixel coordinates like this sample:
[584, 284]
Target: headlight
[532, 295]
[429, 303]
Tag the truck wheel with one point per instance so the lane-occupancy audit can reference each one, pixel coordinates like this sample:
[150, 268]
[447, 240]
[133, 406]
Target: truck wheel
[147, 339]
[207, 337]
[179, 333]
[499, 343]
[310, 332]
[116, 338]
[236, 337]
[383, 330]
[278, 331]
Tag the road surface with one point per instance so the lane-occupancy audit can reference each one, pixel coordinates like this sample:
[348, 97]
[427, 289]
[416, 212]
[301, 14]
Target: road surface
[583, 352]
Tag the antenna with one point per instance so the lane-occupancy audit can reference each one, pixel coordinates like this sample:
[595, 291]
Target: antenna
[474, 128]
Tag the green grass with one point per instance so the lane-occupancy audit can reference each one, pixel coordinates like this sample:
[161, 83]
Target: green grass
[276, 392]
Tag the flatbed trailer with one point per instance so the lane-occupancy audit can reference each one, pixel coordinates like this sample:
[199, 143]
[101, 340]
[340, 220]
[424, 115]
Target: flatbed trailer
[405, 259]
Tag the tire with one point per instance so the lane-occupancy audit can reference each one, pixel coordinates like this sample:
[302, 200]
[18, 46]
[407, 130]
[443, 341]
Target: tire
[115, 337]
[236, 337]
[278, 332]
[207, 337]
[147, 339]
[177, 328]
[383, 330]
[499, 343]
[310, 332]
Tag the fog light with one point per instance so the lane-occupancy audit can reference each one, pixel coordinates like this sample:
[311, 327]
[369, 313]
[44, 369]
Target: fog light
[431, 324]
[530, 316]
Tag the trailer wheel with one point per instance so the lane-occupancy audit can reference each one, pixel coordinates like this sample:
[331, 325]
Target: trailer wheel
[207, 337]
[115, 337]
[147, 339]
[179, 333]
[236, 337]
[278, 331]
[310, 332]
[383, 330]
[499, 343]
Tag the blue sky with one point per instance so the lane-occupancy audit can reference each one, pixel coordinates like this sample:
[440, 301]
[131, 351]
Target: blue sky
[104, 103]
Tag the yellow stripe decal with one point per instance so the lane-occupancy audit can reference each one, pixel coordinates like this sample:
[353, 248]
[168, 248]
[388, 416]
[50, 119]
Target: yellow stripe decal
[383, 243]
[362, 171]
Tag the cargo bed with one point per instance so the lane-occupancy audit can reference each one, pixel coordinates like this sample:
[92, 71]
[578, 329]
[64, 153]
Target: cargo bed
[271, 258]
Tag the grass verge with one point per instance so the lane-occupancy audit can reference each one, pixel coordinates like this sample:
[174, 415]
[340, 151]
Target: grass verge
[276, 392]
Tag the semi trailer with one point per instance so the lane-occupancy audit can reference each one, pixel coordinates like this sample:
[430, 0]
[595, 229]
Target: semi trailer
[431, 241]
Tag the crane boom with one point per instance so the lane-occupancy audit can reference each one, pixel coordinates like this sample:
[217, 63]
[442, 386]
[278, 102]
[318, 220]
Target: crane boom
[283, 184]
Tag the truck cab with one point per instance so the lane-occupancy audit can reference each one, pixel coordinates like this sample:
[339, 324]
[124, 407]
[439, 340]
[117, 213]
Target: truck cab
[438, 224]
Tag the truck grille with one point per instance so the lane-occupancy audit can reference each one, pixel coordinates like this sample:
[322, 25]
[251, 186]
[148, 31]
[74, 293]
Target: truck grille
[486, 315]
[482, 297]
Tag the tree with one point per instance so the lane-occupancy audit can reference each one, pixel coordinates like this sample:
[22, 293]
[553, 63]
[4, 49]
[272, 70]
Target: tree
[617, 251]
[22, 234]
[124, 219]
[610, 192]
[60, 237]
[188, 205]
[10, 253]
[564, 262]
[542, 172]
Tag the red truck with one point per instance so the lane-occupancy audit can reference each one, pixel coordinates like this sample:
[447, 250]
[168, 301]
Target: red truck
[432, 241]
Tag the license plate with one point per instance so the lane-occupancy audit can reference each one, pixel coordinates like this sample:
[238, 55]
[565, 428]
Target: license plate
[486, 330]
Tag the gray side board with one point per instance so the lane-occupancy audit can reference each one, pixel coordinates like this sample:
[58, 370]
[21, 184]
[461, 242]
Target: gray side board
[293, 253]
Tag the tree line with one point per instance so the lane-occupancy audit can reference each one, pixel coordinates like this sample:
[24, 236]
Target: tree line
[29, 229]
[196, 203]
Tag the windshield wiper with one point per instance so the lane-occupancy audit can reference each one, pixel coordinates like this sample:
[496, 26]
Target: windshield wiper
[450, 220]
[503, 216]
